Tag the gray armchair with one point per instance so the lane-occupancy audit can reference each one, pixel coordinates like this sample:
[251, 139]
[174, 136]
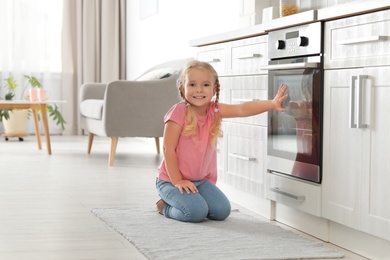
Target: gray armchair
[130, 108]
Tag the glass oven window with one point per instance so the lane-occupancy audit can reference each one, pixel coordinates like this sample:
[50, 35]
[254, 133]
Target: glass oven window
[294, 134]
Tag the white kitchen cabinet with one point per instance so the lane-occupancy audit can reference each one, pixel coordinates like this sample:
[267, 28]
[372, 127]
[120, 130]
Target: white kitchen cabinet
[342, 147]
[246, 158]
[242, 151]
[356, 176]
[247, 137]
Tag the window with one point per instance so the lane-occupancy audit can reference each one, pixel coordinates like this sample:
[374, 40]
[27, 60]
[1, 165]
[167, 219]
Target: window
[30, 36]
[30, 43]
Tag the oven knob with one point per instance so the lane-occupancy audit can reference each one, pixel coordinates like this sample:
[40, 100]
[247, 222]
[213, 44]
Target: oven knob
[303, 41]
[280, 44]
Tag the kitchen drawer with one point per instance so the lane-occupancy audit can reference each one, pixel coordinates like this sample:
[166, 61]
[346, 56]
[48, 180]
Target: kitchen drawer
[362, 40]
[297, 194]
[247, 56]
[215, 55]
[248, 88]
[246, 151]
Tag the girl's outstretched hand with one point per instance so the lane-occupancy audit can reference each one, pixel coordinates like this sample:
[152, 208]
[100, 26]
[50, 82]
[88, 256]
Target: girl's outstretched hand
[280, 97]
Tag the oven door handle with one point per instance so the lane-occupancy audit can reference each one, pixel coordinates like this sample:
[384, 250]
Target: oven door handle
[291, 66]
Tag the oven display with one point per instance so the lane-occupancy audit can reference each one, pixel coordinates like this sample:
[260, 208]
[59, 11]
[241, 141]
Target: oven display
[292, 35]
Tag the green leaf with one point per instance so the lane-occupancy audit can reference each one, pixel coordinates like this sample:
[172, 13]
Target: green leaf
[33, 81]
[57, 115]
[11, 83]
[9, 96]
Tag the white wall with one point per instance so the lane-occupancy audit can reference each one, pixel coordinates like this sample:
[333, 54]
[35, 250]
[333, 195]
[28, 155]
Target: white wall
[166, 35]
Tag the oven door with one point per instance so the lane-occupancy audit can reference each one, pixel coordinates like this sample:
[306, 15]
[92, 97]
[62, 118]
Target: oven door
[294, 136]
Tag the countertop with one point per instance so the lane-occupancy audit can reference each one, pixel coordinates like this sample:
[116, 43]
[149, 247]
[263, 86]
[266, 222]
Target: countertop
[325, 14]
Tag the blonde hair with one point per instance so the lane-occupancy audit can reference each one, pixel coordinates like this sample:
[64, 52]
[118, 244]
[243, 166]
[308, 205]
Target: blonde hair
[191, 120]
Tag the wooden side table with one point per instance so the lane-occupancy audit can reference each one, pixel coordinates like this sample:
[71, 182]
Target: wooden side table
[35, 107]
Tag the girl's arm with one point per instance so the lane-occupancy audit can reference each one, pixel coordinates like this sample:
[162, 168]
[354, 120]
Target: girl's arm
[255, 107]
[172, 133]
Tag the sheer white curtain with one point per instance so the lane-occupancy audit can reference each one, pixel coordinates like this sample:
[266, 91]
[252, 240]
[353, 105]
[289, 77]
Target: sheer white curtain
[30, 43]
[64, 43]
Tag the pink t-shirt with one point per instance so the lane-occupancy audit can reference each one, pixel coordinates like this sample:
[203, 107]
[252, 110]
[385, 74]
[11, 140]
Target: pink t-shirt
[196, 156]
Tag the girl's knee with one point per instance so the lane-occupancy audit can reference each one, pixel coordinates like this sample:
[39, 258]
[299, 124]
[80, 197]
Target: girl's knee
[224, 214]
[197, 214]
[221, 212]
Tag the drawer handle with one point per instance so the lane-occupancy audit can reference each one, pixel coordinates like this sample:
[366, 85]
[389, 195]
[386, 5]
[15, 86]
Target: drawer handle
[242, 157]
[374, 38]
[242, 100]
[215, 60]
[254, 55]
[287, 194]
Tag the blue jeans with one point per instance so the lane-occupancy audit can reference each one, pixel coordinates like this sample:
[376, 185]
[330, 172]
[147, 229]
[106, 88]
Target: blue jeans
[209, 202]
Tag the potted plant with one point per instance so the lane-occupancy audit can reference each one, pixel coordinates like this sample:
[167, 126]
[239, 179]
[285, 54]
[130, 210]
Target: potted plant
[7, 115]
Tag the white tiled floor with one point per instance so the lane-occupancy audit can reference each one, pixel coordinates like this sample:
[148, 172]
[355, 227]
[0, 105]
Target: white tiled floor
[45, 200]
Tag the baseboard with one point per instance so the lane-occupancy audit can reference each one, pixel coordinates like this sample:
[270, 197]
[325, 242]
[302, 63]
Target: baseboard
[359, 242]
[256, 204]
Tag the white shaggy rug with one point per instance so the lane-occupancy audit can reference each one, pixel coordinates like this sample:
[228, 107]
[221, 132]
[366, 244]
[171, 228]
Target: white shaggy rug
[238, 237]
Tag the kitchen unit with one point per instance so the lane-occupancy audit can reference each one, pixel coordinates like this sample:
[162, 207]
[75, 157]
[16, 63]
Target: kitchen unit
[356, 123]
[350, 205]
[242, 151]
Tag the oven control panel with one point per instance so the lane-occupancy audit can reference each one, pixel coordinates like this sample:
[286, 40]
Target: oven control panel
[295, 41]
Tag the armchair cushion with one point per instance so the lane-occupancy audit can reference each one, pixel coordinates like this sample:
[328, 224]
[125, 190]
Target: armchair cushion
[92, 108]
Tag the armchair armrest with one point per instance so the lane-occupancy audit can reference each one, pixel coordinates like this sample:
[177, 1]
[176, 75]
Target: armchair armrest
[92, 91]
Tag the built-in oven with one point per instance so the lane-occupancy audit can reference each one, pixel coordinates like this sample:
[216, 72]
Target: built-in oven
[295, 136]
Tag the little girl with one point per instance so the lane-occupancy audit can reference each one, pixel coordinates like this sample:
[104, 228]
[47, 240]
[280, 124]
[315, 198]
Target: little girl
[188, 173]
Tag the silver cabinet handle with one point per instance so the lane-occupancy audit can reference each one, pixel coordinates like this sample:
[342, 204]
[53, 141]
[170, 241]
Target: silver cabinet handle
[360, 102]
[242, 157]
[373, 38]
[254, 55]
[352, 102]
[287, 194]
[291, 66]
[241, 100]
[215, 60]
[358, 98]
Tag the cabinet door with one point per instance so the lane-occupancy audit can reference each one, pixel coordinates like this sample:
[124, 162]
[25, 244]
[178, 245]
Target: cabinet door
[376, 176]
[246, 152]
[342, 151]
[356, 175]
